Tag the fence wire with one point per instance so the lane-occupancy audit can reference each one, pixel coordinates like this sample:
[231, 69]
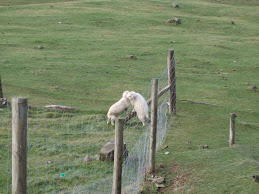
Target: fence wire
[5, 149]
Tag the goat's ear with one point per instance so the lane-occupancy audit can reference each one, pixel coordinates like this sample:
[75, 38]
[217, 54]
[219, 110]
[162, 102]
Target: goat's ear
[128, 96]
[125, 94]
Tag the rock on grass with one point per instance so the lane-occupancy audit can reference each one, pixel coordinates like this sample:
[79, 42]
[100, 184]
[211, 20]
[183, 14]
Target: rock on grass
[131, 57]
[174, 21]
[40, 46]
[175, 5]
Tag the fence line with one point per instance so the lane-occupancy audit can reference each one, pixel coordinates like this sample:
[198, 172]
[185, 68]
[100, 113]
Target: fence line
[63, 148]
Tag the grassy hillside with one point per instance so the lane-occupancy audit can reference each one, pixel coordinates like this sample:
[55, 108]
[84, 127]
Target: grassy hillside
[84, 64]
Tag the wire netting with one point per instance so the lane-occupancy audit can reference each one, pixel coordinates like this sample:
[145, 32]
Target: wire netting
[63, 149]
[5, 149]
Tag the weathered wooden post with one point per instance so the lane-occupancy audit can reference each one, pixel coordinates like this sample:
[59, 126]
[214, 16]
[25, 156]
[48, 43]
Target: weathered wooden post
[19, 145]
[153, 127]
[1, 90]
[118, 157]
[232, 129]
[171, 81]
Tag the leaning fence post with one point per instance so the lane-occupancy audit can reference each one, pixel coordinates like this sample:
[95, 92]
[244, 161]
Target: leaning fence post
[153, 127]
[118, 152]
[232, 129]
[19, 145]
[171, 81]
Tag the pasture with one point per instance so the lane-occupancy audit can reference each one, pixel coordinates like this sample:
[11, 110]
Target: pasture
[84, 64]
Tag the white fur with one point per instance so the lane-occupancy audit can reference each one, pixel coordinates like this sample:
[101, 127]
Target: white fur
[119, 107]
[140, 106]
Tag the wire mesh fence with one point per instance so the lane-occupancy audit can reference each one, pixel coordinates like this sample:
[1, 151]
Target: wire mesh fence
[63, 149]
[5, 149]
[58, 143]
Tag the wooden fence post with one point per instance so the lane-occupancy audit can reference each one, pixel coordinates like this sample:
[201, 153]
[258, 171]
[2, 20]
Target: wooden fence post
[171, 81]
[19, 145]
[232, 129]
[1, 90]
[153, 127]
[118, 157]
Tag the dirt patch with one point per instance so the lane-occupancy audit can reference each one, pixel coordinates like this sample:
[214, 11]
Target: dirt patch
[179, 179]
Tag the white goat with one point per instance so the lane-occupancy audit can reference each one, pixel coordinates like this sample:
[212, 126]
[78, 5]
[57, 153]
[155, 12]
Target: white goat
[140, 106]
[119, 107]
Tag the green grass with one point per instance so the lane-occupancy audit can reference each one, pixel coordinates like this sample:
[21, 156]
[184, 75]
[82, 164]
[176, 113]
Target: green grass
[83, 64]
[190, 168]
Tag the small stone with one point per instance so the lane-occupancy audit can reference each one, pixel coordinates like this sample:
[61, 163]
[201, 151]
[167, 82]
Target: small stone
[166, 153]
[256, 178]
[175, 5]
[107, 152]
[245, 123]
[161, 165]
[88, 159]
[174, 21]
[141, 189]
[3, 101]
[170, 21]
[160, 185]
[158, 180]
[205, 147]
[40, 46]
[197, 20]
[131, 57]
[252, 87]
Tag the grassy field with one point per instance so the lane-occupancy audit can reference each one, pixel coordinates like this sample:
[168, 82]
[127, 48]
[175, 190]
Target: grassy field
[84, 64]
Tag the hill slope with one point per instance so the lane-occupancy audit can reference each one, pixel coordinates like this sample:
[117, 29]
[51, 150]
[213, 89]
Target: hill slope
[84, 64]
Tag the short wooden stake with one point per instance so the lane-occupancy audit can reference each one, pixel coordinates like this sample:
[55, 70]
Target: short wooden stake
[171, 81]
[118, 157]
[1, 90]
[232, 129]
[153, 127]
[19, 145]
